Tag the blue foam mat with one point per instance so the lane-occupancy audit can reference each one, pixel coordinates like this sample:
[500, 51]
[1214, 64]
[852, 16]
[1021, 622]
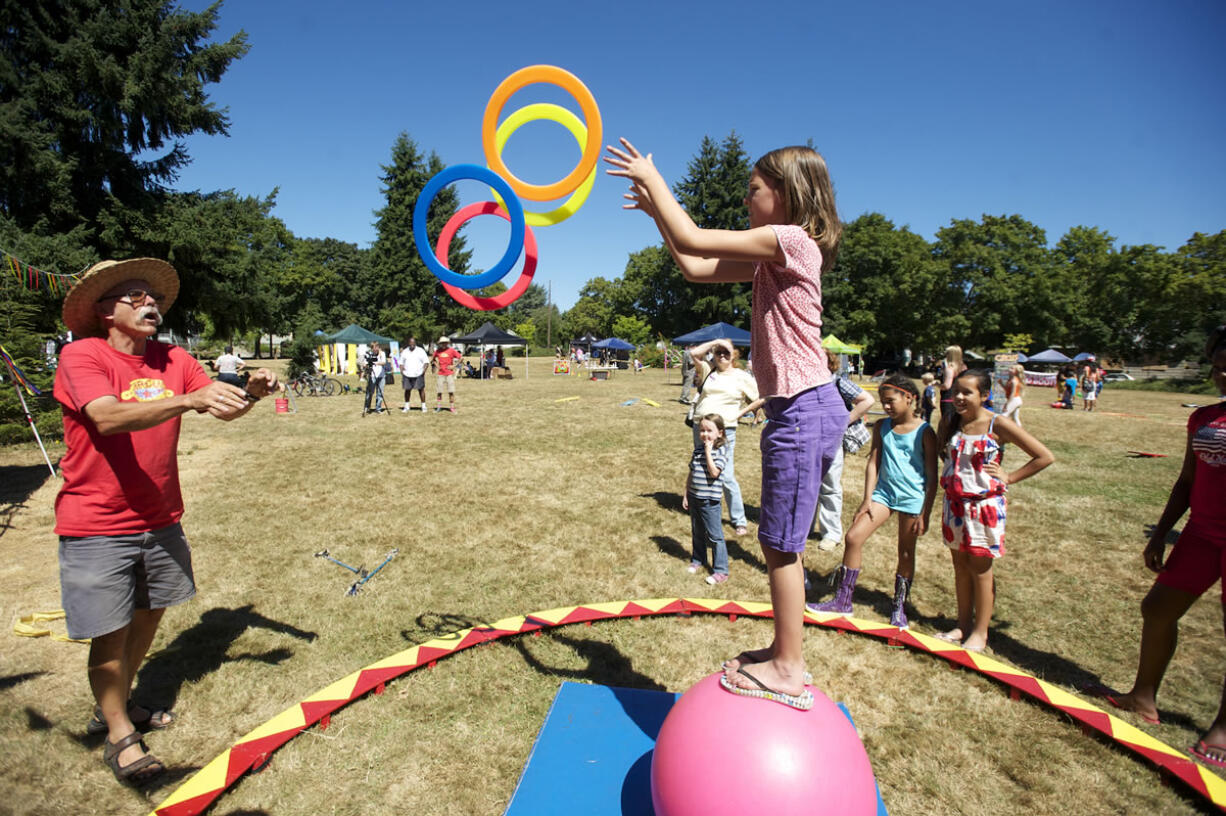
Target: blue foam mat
[593, 754]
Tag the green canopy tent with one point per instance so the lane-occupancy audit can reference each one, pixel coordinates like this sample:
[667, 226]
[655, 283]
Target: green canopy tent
[835, 345]
[353, 333]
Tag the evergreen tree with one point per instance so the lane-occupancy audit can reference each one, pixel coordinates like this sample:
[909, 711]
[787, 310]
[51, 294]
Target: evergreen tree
[396, 279]
[88, 90]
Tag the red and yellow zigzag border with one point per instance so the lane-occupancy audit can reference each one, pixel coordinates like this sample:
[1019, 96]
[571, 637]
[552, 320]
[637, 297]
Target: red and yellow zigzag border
[253, 750]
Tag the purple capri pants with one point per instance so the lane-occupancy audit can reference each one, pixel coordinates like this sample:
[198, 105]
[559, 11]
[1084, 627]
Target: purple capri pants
[798, 445]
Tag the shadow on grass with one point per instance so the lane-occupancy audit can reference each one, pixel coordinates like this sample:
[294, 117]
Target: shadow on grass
[17, 484]
[200, 650]
[606, 665]
[667, 501]
[11, 680]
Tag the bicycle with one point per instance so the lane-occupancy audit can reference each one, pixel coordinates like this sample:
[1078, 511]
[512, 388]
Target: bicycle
[315, 385]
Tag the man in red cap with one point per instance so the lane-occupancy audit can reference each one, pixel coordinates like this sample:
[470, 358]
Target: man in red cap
[123, 556]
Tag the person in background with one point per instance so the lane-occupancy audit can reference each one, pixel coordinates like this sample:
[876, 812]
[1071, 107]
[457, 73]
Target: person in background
[376, 360]
[446, 358]
[1014, 387]
[732, 393]
[413, 362]
[228, 365]
[687, 376]
[828, 523]
[928, 400]
[951, 368]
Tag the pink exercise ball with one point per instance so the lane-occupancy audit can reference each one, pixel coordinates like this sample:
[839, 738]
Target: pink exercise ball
[721, 753]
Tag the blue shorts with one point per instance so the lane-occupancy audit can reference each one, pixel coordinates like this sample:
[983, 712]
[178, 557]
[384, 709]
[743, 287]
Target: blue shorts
[104, 578]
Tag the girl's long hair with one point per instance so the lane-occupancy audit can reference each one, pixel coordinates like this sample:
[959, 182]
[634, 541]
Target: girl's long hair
[983, 382]
[808, 195]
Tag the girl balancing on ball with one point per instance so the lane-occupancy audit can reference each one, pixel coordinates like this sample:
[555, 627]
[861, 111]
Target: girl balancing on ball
[793, 237]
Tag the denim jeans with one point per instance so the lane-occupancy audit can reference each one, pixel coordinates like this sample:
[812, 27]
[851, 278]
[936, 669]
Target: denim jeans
[706, 531]
[374, 387]
[732, 488]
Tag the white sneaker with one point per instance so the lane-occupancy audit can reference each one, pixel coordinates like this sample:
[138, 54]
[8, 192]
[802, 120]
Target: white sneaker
[404, 410]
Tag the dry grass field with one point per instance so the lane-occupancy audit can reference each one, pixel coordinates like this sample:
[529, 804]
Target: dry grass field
[520, 503]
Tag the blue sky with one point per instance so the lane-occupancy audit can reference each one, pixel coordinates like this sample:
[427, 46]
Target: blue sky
[1067, 113]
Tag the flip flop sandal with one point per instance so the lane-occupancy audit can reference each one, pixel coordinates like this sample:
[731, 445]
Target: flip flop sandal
[156, 720]
[1201, 751]
[741, 658]
[1109, 694]
[137, 772]
[800, 702]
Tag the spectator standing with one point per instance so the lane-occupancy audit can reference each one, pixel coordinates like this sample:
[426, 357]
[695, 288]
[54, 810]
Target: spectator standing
[446, 358]
[413, 362]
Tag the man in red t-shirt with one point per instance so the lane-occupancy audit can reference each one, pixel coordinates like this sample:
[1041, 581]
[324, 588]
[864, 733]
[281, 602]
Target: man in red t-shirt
[447, 359]
[123, 556]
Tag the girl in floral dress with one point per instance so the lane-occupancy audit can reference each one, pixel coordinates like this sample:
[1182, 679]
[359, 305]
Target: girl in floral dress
[975, 483]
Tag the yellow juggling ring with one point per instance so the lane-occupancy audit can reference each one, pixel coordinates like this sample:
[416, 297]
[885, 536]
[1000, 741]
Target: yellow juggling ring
[568, 120]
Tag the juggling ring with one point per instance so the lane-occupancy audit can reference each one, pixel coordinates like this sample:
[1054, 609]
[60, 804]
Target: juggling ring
[503, 299]
[421, 212]
[568, 120]
[552, 75]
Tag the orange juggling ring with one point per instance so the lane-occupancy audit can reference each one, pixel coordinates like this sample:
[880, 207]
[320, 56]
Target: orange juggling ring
[568, 82]
[503, 299]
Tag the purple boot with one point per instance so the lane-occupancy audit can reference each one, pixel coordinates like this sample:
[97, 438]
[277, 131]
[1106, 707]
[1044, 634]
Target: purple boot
[899, 616]
[841, 602]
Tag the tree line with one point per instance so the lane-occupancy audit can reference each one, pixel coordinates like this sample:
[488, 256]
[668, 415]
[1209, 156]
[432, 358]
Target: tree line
[98, 99]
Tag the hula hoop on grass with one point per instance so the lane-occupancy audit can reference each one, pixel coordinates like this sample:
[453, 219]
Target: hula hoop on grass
[568, 120]
[551, 75]
[421, 211]
[503, 299]
[253, 750]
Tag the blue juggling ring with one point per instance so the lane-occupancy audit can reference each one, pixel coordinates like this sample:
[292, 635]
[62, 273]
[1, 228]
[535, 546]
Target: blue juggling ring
[514, 208]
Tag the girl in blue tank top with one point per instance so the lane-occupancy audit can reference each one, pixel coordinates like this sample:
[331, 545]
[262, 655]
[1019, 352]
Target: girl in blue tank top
[901, 477]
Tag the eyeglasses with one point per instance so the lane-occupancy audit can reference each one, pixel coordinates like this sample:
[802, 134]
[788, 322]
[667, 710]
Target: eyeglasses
[136, 297]
[723, 353]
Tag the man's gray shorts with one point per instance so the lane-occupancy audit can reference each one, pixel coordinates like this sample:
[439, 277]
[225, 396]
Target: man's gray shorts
[104, 578]
[417, 383]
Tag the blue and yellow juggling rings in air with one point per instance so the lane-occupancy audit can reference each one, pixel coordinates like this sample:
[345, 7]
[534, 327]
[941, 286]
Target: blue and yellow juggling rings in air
[508, 190]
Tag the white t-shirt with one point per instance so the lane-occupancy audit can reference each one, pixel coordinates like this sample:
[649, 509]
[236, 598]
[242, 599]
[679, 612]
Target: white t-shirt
[413, 361]
[228, 363]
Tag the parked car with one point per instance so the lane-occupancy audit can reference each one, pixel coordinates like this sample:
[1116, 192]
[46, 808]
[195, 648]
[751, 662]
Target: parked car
[1117, 376]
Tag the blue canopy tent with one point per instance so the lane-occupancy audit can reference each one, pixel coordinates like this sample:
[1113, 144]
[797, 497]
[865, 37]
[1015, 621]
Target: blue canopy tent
[1049, 356]
[614, 344]
[1083, 356]
[617, 350]
[738, 337]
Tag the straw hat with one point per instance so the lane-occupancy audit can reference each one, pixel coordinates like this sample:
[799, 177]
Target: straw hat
[443, 340]
[79, 315]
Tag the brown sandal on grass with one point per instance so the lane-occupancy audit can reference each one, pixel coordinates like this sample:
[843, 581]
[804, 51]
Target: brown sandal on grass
[156, 720]
[137, 772]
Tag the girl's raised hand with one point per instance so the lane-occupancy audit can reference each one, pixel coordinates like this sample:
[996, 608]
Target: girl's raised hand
[630, 163]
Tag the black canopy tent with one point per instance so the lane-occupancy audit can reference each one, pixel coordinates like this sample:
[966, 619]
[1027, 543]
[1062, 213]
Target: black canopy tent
[491, 335]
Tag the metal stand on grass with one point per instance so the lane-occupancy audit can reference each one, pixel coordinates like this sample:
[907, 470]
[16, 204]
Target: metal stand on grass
[363, 575]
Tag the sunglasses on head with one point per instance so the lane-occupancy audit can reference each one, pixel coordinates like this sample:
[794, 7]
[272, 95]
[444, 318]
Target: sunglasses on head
[137, 297]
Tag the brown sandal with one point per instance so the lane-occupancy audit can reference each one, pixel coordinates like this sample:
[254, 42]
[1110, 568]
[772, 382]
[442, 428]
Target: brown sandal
[135, 773]
[156, 720]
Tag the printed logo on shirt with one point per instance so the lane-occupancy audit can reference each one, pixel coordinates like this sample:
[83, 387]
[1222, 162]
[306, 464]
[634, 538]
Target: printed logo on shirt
[146, 390]
[1209, 443]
